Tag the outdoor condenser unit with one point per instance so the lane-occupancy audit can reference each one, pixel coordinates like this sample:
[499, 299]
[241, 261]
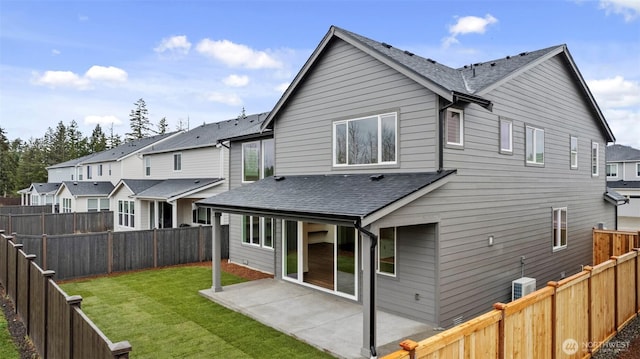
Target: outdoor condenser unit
[522, 286]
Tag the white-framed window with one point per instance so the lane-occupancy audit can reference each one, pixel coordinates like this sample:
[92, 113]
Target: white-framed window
[147, 166]
[534, 145]
[258, 160]
[559, 228]
[202, 215]
[66, 205]
[89, 176]
[387, 251]
[126, 213]
[99, 170]
[612, 170]
[454, 127]
[109, 169]
[506, 136]
[258, 231]
[573, 152]
[638, 169]
[370, 140]
[595, 158]
[97, 204]
[177, 162]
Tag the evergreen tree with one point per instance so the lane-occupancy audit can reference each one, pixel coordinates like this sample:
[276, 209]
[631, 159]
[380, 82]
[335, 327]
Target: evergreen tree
[98, 140]
[114, 139]
[32, 163]
[162, 126]
[57, 145]
[139, 122]
[78, 145]
[7, 165]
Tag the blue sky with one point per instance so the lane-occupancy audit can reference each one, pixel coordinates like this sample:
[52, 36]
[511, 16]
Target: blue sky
[203, 61]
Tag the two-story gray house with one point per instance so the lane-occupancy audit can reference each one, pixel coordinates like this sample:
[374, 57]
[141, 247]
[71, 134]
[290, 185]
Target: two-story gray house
[623, 175]
[420, 189]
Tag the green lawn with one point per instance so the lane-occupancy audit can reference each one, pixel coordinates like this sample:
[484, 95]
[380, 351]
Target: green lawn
[162, 315]
[8, 348]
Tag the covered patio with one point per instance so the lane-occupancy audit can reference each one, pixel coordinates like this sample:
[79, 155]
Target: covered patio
[325, 321]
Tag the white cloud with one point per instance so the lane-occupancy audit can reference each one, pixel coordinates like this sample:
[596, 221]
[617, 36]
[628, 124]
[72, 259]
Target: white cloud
[61, 79]
[102, 120]
[468, 25]
[237, 55]
[102, 73]
[83, 18]
[624, 124]
[227, 99]
[282, 87]
[56, 79]
[616, 92]
[236, 80]
[174, 44]
[629, 9]
[55, 52]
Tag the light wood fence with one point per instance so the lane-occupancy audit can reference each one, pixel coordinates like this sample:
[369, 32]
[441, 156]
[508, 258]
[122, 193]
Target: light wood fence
[54, 321]
[613, 243]
[572, 318]
[57, 223]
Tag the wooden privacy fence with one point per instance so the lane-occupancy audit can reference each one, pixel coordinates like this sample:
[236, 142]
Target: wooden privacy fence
[57, 223]
[54, 321]
[82, 255]
[25, 209]
[613, 243]
[572, 318]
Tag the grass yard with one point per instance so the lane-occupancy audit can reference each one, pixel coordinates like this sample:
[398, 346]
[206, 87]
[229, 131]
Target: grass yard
[162, 315]
[8, 348]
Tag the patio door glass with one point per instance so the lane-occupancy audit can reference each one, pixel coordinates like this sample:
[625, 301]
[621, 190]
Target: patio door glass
[290, 244]
[346, 260]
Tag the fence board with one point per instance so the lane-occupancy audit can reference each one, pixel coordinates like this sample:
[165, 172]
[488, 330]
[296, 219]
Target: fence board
[528, 321]
[608, 243]
[132, 250]
[58, 321]
[603, 306]
[626, 294]
[22, 292]
[25, 209]
[79, 255]
[572, 315]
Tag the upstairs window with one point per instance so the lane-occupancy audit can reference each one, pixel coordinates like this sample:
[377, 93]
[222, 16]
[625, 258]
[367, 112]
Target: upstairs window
[177, 162]
[534, 145]
[454, 127]
[573, 152]
[99, 170]
[559, 228]
[365, 141]
[147, 166]
[612, 170]
[258, 160]
[506, 136]
[637, 169]
[89, 172]
[595, 160]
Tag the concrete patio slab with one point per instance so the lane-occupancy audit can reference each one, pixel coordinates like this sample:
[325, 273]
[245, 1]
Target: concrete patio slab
[328, 322]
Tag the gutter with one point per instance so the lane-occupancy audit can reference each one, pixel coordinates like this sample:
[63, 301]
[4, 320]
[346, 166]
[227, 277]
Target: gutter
[372, 287]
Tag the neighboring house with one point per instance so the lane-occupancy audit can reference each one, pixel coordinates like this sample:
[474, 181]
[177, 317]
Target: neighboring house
[67, 171]
[623, 175]
[39, 194]
[446, 181]
[84, 196]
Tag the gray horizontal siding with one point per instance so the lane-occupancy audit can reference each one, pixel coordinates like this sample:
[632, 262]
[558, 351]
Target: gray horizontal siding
[347, 83]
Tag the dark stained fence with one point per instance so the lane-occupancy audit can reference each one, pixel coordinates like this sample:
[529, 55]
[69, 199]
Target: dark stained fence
[88, 254]
[25, 209]
[57, 223]
[55, 323]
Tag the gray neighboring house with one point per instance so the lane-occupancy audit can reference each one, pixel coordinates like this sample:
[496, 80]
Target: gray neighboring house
[39, 194]
[84, 196]
[440, 179]
[623, 176]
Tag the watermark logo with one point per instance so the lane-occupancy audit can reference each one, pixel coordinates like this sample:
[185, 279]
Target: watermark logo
[570, 346]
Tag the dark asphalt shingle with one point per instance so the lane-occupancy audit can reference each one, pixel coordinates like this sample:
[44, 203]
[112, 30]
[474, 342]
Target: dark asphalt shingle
[89, 188]
[619, 153]
[174, 187]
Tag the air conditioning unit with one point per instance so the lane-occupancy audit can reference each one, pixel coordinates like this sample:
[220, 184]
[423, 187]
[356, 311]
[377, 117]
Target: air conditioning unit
[522, 286]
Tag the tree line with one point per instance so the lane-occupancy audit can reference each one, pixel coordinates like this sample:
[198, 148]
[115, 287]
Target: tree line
[23, 162]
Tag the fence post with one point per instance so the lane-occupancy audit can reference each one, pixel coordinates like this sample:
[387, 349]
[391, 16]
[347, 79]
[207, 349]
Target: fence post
[155, 248]
[555, 286]
[74, 303]
[42, 224]
[500, 307]
[410, 346]
[109, 252]
[10, 229]
[200, 244]
[120, 350]
[75, 223]
[26, 321]
[18, 247]
[44, 251]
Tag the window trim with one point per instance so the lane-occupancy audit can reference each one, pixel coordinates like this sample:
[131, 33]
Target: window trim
[261, 228]
[395, 254]
[534, 143]
[66, 205]
[127, 216]
[557, 232]
[100, 170]
[379, 117]
[177, 162]
[607, 170]
[638, 169]
[595, 170]
[506, 151]
[147, 166]
[262, 157]
[89, 174]
[460, 144]
[573, 164]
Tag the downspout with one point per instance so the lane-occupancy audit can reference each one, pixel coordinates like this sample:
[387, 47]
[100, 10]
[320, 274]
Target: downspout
[372, 290]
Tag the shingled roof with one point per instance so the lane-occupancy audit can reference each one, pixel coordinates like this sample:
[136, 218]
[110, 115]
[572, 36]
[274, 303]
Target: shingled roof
[328, 197]
[621, 153]
[83, 189]
[210, 134]
[171, 188]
